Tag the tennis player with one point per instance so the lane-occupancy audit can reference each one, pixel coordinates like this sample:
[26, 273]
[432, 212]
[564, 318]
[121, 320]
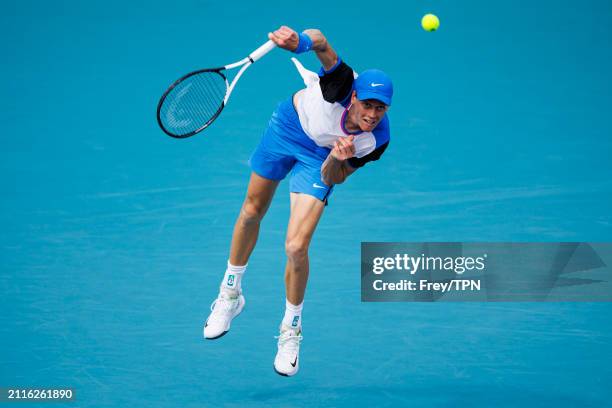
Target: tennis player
[321, 135]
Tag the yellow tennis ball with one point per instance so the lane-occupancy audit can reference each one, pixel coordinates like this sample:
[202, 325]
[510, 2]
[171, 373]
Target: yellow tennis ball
[430, 22]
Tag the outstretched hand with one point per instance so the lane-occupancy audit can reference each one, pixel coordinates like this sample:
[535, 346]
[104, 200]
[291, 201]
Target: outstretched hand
[343, 148]
[285, 38]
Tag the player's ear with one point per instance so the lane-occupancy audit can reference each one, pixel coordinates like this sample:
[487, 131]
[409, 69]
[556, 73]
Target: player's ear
[353, 97]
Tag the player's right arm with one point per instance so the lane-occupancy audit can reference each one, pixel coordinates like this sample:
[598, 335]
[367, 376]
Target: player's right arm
[323, 49]
[288, 39]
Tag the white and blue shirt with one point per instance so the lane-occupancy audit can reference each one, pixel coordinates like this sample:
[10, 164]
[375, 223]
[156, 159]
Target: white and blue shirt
[322, 108]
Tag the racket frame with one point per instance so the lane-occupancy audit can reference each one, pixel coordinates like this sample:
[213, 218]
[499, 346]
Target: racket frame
[229, 88]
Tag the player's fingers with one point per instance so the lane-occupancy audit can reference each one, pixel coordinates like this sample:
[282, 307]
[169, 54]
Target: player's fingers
[282, 32]
[280, 39]
[348, 142]
[348, 147]
[352, 148]
[344, 142]
[285, 32]
[340, 150]
[272, 36]
[349, 150]
[288, 37]
[341, 146]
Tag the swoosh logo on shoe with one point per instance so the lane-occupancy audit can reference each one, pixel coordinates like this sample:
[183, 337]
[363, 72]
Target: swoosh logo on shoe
[294, 363]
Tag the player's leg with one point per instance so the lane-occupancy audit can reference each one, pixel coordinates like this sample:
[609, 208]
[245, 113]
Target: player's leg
[270, 163]
[306, 212]
[246, 230]
[230, 301]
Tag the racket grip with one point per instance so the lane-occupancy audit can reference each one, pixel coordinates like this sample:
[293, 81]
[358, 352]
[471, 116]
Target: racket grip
[263, 50]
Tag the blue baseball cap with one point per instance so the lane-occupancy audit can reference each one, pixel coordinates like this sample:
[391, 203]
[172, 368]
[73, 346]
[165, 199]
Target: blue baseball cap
[374, 84]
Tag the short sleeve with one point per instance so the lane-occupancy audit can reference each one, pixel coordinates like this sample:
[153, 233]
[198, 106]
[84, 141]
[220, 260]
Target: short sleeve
[373, 156]
[337, 82]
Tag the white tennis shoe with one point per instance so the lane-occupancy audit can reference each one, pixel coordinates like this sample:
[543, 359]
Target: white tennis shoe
[223, 309]
[287, 361]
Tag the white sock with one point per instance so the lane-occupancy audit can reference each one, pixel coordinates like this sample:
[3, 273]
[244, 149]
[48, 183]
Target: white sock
[233, 277]
[293, 315]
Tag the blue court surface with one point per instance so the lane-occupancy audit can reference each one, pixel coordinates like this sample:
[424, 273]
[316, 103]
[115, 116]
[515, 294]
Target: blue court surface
[115, 236]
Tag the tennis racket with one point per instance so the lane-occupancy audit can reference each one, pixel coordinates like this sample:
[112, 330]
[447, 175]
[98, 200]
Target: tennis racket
[195, 100]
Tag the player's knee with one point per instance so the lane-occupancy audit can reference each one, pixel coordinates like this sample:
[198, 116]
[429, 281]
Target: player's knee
[296, 248]
[252, 212]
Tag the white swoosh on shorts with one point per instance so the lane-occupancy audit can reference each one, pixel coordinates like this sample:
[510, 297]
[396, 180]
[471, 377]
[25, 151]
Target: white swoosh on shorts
[315, 185]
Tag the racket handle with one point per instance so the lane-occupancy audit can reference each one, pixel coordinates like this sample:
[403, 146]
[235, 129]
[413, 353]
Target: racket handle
[263, 50]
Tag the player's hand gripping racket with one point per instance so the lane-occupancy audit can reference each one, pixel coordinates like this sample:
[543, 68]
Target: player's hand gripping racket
[195, 100]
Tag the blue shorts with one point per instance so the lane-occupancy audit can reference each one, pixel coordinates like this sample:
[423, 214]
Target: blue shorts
[285, 147]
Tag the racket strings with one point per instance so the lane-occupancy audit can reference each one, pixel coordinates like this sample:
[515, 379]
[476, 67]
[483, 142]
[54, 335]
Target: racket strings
[193, 103]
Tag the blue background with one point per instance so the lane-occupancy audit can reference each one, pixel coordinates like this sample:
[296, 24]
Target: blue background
[114, 236]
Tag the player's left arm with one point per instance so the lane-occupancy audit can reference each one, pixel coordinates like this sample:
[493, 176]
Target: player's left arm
[336, 168]
[342, 162]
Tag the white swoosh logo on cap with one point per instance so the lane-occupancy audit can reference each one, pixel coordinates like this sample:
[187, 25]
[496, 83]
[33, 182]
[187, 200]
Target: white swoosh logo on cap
[375, 85]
